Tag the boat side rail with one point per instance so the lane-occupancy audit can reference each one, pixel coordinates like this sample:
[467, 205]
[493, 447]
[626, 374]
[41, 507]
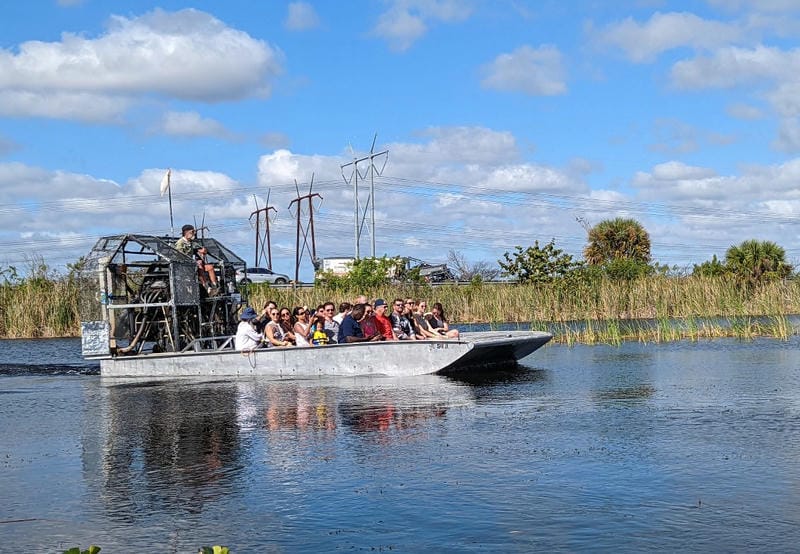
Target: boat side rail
[203, 344]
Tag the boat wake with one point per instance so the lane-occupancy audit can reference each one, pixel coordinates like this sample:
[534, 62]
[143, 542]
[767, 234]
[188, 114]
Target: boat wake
[50, 369]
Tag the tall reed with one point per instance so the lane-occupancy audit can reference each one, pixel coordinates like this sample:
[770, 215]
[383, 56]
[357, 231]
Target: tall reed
[681, 307]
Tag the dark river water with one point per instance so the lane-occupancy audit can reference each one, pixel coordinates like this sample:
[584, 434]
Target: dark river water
[643, 447]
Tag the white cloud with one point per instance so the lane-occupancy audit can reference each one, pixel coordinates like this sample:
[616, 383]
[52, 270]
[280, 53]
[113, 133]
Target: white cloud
[788, 139]
[786, 98]
[678, 170]
[301, 17]
[191, 124]
[744, 111]
[407, 20]
[535, 71]
[732, 66]
[187, 55]
[78, 106]
[643, 42]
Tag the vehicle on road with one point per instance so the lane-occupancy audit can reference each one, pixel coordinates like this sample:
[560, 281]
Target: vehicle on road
[260, 275]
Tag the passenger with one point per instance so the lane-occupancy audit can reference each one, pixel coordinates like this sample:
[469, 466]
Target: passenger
[205, 271]
[422, 326]
[438, 322]
[344, 309]
[320, 338]
[350, 330]
[401, 326]
[368, 325]
[287, 324]
[383, 323]
[273, 333]
[303, 326]
[331, 326]
[264, 318]
[186, 245]
[247, 337]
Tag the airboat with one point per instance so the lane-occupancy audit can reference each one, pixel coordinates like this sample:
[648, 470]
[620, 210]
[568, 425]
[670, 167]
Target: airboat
[145, 314]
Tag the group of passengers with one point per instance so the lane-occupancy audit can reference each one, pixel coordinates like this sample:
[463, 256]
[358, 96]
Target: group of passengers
[361, 321]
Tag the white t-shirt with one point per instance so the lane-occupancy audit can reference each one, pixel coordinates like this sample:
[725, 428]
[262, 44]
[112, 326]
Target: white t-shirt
[247, 338]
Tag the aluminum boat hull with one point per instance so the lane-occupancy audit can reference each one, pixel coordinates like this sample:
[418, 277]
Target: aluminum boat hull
[390, 358]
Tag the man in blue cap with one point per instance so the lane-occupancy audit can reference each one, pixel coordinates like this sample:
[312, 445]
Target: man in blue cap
[247, 337]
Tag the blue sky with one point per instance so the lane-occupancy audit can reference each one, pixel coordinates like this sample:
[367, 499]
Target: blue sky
[506, 122]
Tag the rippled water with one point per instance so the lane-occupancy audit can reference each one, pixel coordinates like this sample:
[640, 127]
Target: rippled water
[685, 446]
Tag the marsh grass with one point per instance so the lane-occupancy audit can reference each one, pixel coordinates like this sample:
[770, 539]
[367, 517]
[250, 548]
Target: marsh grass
[652, 309]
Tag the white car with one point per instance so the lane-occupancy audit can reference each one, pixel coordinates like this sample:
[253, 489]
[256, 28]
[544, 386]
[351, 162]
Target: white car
[261, 275]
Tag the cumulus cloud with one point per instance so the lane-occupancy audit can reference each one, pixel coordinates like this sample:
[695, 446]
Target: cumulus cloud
[191, 124]
[732, 66]
[407, 20]
[643, 42]
[188, 55]
[301, 17]
[788, 139]
[534, 71]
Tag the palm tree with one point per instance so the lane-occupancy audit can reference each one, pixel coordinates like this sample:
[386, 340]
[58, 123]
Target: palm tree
[617, 239]
[756, 261]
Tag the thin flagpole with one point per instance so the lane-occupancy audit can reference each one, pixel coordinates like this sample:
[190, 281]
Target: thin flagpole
[166, 187]
[169, 189]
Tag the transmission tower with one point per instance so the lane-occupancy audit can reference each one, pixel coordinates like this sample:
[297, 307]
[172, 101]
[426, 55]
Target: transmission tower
[359, 218]
[262, 238]
[304, 229]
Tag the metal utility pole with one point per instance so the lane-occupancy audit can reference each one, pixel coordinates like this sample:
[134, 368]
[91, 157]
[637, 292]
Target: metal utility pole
[262, 239]
[306, 229]
[359, 219]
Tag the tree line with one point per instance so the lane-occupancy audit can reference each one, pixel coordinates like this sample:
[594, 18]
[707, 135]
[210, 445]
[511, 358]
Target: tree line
[620, 249]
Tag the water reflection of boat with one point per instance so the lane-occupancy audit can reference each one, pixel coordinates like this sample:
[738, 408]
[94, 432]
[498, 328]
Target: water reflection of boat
[150, 318]
[181, 443]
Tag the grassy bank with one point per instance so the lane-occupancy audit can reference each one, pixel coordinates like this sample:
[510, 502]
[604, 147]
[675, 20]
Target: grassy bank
[649, 309]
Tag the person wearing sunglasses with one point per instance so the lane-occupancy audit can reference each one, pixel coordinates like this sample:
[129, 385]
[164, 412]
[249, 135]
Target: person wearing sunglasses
[401, 326]
[273, 332]
[303, 325]
[287, 324]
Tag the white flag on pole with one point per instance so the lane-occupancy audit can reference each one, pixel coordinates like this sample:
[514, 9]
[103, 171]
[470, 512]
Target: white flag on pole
[165, 182]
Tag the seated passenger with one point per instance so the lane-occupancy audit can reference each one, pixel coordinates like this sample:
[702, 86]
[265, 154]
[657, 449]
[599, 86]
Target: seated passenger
[438, 322]
[401, 326]
[383, 323]
[368, 325]
[331, 325]
[247, 337]
[344, 309]
[205, 271]
[287, 325]
[350, 330]
[273, 333]
[303, 326]
[320, 337]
